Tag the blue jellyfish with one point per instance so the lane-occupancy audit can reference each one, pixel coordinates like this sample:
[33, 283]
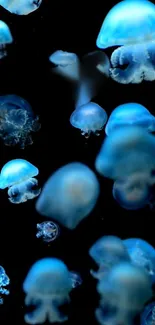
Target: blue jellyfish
[89, 118]
[124, 291]
[17, 121]
[130, 114]
[18, 175]
[131, 26]
[21, 7]
[48, 231]
[69, 195]
[126, 151]
[5, 38]
[142, 254]
[107, 252]
[4, 281]
[76, 279]
[147, 317]
[47, 286]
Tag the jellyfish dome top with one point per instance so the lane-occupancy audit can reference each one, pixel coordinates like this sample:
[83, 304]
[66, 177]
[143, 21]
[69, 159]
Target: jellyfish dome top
[131, 25]
[21, 7]
[5, 34]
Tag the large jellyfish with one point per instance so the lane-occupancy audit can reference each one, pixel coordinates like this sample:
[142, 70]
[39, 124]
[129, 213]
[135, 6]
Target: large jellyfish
[147, 317]
[48, 231]
[142, 254]
[126, 151]
[107, 252]
[69, 195]
[124, 291]
[17, 121]
[130, 114]
[5, 38]
[89, 118]
[47, 286]
[4, 281]
[21, 7]
[131, 26]
[18, 175]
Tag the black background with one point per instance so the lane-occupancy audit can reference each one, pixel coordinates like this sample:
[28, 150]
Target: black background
[27, 72]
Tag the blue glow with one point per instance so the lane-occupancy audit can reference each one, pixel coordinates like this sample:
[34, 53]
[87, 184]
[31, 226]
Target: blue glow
[89, 118]
[142, 254]
[147, 317]
[4, 281]
[136, 36]
[48, 231]
[5, 38]
[76, 279]
[69, 195]
[21, 7]
[47, 286]
[130, 114]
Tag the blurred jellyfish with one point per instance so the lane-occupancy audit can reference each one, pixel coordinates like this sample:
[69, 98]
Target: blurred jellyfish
[18, 175]
[17, 121]
[48, 231]
[107, 252]
[142, 254]
[126, 151]
[4, 281]
[147, 317]
[21, 7]
[86, 76]
[89, 118]
[130, 25]
[5, 38]
[47, 286]
[130, 114]
[124, 291]
[76, 279]
[69, 195]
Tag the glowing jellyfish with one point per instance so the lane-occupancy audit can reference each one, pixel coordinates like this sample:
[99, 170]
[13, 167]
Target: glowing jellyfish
[48, 231]
[21, 7]
[4, 281]
[69, 195]
[126, 151]
[76, 279]
[130, 25]
[5, 38]
[142, 254]
[124, 291]
[147, 317]
[17, 121]
[130, 114]
[18, 175]
[89, 118]
[47, 286]
[107, 252]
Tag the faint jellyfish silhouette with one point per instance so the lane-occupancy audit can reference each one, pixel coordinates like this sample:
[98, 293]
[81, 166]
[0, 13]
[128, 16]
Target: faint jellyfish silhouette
[107, 252]
[136, 38]
[142, 254]
[147, 317]
[17, 121]
[18, 175]
[126, 151]
[48, 231]
[5, 38]
[130, 114]
[47, 286]
[4, 281]
[89, 118]
[124, 291]
[22, 7]
[69, 195]
[76, 279]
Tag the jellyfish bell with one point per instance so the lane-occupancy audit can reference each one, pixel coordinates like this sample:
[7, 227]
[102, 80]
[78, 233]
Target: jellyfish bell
[21, 7]
[5, 38]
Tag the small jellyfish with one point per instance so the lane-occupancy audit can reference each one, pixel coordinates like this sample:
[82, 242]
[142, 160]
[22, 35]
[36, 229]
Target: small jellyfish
[69, 195]
[48, 231]
[124, 291]
[21, 7]
[142, 254]
[47, 286]
[130, 25]
[107, 252]
[17, 121]
[130, 114]
[18, 175]
[76, 279]
[4, 281]
[89, 118]
[5, 38]
[147, 317]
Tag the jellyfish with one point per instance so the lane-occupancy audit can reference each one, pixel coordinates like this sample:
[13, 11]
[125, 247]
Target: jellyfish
[18, 176]
[48, 231]
[124, 291]
[47, 286]
[17, 121]
[76, 279]
[126, 151]
[142, 254]
[89, 118]
[5, 38]
[147, 317]
[130, 25]
[130, 114]
[21, 7]
[4, 281]
[107, 252]
[69, 195]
